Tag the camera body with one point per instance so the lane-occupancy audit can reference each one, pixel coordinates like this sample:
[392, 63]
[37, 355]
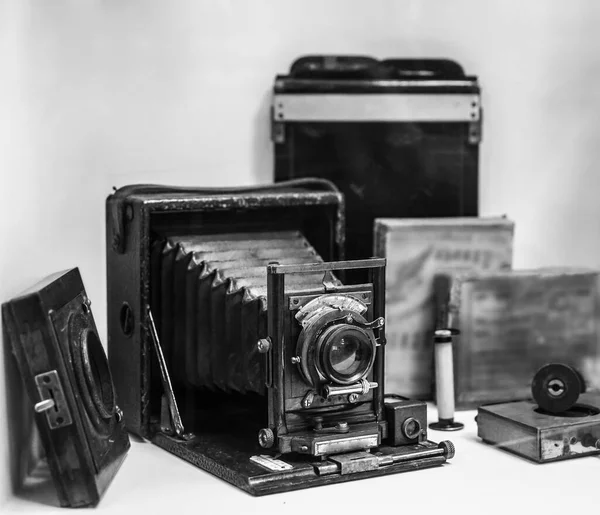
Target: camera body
[145, 225]
[64, 368]
[235, 342]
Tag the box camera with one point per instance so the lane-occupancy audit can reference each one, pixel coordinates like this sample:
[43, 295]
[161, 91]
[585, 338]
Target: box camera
[237, 345]
[53, 336]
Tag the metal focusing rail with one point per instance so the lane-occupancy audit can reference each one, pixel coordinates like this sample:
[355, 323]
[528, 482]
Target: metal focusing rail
[364, 461]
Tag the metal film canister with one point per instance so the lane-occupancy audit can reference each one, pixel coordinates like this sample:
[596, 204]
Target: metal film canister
[444, 382]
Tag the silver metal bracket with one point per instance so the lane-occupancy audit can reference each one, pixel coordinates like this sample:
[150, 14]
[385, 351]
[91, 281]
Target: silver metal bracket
[53, 403]
[297, 301]
[475, 130]
[329, 282]
[355, 462]
[383, 107]
[378, 323]
[277, 132]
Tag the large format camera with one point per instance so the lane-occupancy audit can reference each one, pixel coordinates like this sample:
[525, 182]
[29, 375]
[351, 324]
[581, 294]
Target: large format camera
[234, 339]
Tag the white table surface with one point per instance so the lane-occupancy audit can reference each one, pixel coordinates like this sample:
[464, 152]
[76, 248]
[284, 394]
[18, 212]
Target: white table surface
[480, 479]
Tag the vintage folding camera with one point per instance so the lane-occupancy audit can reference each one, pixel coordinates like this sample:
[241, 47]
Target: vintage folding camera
[64, 369]
[236, 344]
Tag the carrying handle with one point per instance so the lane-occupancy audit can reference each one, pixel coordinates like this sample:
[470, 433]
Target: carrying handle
[424, 69]
[334, 67]
[364, 67]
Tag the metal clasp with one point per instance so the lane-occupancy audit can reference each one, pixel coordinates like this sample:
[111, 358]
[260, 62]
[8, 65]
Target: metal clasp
[53, 403]
[169, 409]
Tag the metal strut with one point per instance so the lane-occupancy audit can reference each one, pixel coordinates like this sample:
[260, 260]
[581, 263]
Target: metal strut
[165, 378]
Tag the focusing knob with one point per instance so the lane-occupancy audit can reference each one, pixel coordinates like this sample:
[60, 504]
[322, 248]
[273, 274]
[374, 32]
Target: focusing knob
[448, 448]
[266, 438]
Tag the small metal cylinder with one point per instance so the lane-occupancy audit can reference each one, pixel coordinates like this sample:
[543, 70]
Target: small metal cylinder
[361, 388]
[444, 382]
[44, 405]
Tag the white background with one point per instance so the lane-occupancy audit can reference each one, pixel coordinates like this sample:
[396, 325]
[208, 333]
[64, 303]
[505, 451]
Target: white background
[101, 93]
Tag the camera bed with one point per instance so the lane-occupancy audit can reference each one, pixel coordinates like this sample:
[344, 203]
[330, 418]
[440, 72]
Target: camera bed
[229, 457]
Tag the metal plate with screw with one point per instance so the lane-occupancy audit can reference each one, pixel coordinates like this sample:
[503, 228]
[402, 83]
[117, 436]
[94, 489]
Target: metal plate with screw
[53, 402]
[297, 301]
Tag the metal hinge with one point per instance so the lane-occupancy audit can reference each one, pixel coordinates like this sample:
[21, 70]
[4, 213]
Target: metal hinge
[277, 131]
[475, 130]
[53, 403]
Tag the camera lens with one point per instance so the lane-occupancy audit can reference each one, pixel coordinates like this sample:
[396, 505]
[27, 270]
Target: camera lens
[97, 374]
[411, 428]
[92, 373]
[347, 353]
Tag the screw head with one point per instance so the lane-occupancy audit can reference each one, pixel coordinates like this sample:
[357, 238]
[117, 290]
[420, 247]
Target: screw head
[353, 397]
[308, 399]
[342, 426]
[263, 345]
[266, 438]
